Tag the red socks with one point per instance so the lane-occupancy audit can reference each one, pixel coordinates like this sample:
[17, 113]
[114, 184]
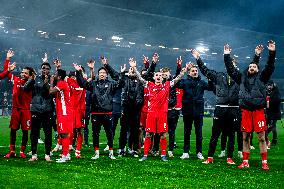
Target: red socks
[264, 156]
[79, 141]
[65, 145]
[246, 156]
[147, 145]
[163, 145]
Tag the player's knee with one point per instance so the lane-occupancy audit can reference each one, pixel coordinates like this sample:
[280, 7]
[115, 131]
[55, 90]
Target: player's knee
[163, 135]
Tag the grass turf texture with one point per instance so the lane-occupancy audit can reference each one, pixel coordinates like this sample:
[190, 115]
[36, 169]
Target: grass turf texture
[128, 172]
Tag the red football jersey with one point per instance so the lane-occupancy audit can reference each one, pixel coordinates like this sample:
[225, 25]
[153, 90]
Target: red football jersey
[76, 94]
[20, 98]
[179, 93]
[62, 99]
[158, 97]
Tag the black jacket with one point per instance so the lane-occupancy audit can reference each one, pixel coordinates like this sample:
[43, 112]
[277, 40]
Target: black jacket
[252, 94]
[227, 90]
[273, 112]
[42, 101]
[132, 94]
[102, 91]
[193, 92]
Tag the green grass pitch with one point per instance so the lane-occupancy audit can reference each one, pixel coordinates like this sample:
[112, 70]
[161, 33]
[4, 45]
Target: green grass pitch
[128, 172]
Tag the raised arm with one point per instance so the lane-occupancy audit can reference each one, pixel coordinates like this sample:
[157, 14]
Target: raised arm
[113, 74]
[7, 65]
[269, 67]
[139, 77]
[210, 74]
[232, 71]
[179, 77]
[80, 79]
[91, 65]
[150, 71]
[179, 66]
[120, 83]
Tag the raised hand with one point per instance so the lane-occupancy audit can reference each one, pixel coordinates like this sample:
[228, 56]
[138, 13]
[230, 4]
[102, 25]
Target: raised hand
[179, 61]
[123, 68]
[57, 63]
[44, 59]
[51, 81]
[227, 49]
[195, 53]
[258, 49]
[91, 64]
[155, 58]
[10, 53]
[33, 76]
[77, 67]
[132, 62]
[11, 67]
[45, 79]
[145, 59]
[271, 45]
[104, 60]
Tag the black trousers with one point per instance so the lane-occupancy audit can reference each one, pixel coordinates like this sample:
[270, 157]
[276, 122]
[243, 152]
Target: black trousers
[41, 120]
[129, 124]
[198, 123]
[86, 128]
[237, 129]
[97, 121]
[272, 128]
[224, 120]
[173, 116]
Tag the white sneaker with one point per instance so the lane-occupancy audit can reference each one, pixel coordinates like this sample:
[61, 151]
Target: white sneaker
[170, 154]
[78, 154]
[33, 158]
[200, 156]
[96, 155]
[240, 154]
[184, 156]
[63, 159]
[222, 154]
[106, 148]
[130, 151]
[252, 147]
[30, 153]
[47, 158]
[40, 141]
[111, 156]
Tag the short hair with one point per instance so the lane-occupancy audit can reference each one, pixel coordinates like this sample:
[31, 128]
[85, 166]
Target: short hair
[194, 66]
[30, 69]
[45, 64]
[257, 64]
[102, 68]
[61, 73]
[165, 69]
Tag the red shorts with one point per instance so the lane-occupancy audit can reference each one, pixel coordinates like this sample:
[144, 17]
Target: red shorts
[64, 124]
[79, 118]
[253, 121]
[143, 118]
[20, 117]
[157, 122]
